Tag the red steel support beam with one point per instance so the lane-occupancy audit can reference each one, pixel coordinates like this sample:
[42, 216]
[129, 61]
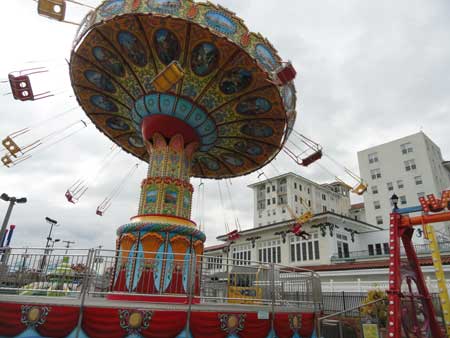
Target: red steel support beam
[394, 310]
[407, 221]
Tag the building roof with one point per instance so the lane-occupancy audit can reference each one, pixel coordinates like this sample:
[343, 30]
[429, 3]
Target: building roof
[291, 221]
[215, 247]
[357, 206]
[446, 165]
[373, 264]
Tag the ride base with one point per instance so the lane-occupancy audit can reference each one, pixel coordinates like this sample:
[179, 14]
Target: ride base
[220, 301]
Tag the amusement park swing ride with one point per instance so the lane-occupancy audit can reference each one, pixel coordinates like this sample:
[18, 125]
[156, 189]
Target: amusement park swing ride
[185, 87]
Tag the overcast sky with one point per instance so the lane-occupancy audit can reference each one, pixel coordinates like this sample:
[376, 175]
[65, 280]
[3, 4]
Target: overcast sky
[368, 72]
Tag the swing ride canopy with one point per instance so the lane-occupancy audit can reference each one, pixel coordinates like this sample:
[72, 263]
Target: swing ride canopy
[229, 99]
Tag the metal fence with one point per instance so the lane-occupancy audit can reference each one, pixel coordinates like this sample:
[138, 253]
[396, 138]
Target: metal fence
[99, 273]
[421, 249]
[334, 302]
[345, 316]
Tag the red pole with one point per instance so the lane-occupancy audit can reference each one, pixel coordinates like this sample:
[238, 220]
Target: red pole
[421, 286]
[394, 310]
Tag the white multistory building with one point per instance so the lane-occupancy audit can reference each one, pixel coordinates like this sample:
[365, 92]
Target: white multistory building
[410, 167]
[348, 252]
[275, 198]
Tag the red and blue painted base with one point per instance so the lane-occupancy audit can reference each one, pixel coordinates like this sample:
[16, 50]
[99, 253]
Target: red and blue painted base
[45, 320]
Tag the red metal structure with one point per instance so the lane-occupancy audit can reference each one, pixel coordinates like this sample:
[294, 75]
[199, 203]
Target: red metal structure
[406, 309]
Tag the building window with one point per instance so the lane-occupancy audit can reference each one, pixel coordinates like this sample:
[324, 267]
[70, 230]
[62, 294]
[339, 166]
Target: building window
[281, 200]
[324, 197]
[373, 158]
[406, 148]
[374, 189]
[418, 180]
[268, 201]
[309, 203]
[375, 173]
[324, 208]
[386, 248]
[402, 199]
[214, 263]
[378, 249]
[342, 246]
[376, 204]
[261, 205]
[273, 188]
[268, 212]
[304, 250]
[390, 186]
[268, 189]
[296, 198]
[283, 210]
[259, 215]
[309, 191]
[242, 254]
[273, 200]
[410, 165]
[370, 249]
[274, 212]
[295, 185]
[269, 251]
[379, 220]
[420, 194]
[300, 187]
[400, 184]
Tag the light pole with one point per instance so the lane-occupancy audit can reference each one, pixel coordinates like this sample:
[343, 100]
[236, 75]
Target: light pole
[12, 201]
[52, 223]
[55, 241]
[68, 243]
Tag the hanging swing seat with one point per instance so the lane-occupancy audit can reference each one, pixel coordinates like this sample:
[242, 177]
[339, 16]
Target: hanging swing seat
[286, 73]
[233, 235]
[168, 77]
[7, 161]
[54, 9]
[11, 146]
[21, 85]
[360, 189]
[312, 158]
[297, 230]
[69, 197]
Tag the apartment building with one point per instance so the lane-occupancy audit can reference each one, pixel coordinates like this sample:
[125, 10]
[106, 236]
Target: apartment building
[410, 167]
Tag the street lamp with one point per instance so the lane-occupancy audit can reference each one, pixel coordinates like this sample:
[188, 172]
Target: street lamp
[55, 241]
[394, 200]
[52, 223]
[12, 201]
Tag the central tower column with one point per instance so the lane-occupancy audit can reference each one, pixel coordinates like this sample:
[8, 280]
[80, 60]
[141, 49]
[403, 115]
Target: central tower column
[159, 245]
[167, 190]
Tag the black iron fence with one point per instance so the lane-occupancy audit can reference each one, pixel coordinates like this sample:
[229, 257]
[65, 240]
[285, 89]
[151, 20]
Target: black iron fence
[342, 301]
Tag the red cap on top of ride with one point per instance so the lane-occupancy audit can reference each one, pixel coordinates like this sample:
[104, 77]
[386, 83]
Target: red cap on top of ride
[168, 126]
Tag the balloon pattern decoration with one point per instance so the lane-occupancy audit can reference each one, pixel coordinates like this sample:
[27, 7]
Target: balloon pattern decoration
[227, 94]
